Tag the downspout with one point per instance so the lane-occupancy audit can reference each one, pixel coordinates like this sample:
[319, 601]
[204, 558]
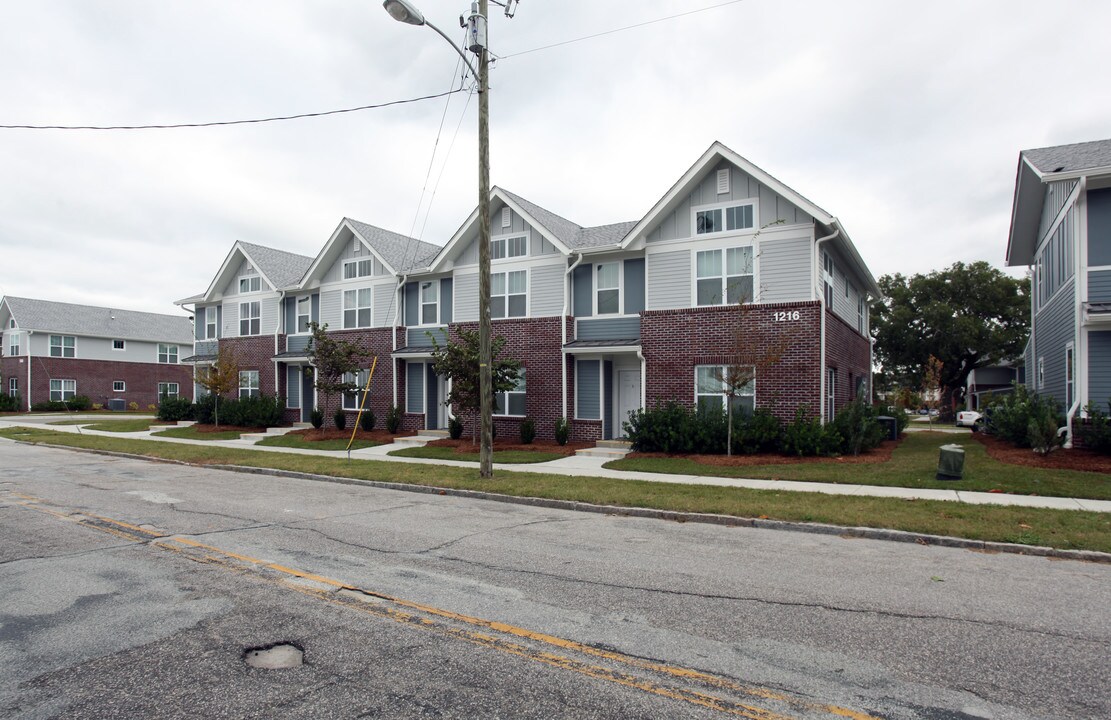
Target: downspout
[393, 331]
[643, 378]
[822, 306]
[563, 328]
[29, 334]
[277, 331]
[1080, 287]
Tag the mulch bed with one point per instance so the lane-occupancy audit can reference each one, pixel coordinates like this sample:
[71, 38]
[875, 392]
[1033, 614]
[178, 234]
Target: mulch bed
[465, 445]
[1074, 459]
[880, 455]
[378, 436]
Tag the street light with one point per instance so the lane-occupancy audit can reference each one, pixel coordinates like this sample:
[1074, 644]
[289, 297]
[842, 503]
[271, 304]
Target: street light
[403, 11]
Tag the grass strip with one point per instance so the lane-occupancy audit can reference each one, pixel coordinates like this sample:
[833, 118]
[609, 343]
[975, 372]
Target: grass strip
[190, 433]
[1065, 529]
[912, 465]
[515, 457]
[298, 441]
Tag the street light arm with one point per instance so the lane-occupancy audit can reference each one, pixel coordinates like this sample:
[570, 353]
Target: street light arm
[466, 60]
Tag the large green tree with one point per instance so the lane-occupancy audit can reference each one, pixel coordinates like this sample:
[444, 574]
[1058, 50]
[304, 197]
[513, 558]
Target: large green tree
[967, 316]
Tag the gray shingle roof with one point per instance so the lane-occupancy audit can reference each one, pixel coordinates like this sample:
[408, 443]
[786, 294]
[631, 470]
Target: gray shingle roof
[284, 269]
[58, 317]
[1070, 158]
[571, 234]
[401, 252]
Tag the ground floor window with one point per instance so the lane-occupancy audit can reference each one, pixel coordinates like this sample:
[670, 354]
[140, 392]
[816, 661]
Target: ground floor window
[248, 383]
[119, 386]
[831, 388]
[167, 389]
[62, 390]
[711, 390]
[13, 387]
[512, 402]
[352, 400]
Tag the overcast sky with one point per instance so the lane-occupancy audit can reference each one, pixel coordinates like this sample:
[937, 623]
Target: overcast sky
[902, 119]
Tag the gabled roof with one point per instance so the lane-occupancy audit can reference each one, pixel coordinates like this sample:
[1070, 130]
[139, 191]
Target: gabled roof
[1037, 167]
[399, 252]
[89, 321]
[280, 269]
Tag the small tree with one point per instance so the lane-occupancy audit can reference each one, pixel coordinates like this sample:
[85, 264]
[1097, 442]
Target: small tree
[459, 361]
[220, 378]
[333, 359]
[931, 387]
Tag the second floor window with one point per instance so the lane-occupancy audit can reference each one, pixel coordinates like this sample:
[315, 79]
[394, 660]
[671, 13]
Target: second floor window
[63, 346]
[724, 276]
[509, 294]
[250, 318]
[304, 314]
[609, 289]
[248, 383]
[13, 345]
[167, 354]
[429, 294]
[358, 268]
[250, 284]
[721, 219]
[509, 247]
[862, 315]
[210, 331]
[356, 308]
[827, 278]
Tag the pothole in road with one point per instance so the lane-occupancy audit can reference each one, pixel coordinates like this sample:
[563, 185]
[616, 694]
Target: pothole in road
[278, 656]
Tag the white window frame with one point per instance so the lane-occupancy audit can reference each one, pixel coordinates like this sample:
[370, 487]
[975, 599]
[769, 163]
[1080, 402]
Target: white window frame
[598, 289]
[297, 315]
[253, 282]
[360, 265]
[827, 278]
[501, 399]
[13, 387]
[13, 345]
[723, 208]
[211, 331]
[424, 303]
[506, 295]
[725, 276]
[748, 391]
[249, 383]
[251, 314]
[122, 345]
[11, 323]
[501, 243]
[61, 346]
[1070, 375]
[358, 308]
[67, 390]
[173, 390]
[1041, 373]
[351, 400]
[168, 354]
[831, 393]
[119, 386]
[861, 315]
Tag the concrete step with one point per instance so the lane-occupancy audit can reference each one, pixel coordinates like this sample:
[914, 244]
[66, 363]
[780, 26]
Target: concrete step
[603, 452]
[614, 444]
[437, 434]
[301, 425]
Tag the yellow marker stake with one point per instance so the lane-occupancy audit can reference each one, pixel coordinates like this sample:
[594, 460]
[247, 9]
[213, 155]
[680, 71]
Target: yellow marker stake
[359, 417]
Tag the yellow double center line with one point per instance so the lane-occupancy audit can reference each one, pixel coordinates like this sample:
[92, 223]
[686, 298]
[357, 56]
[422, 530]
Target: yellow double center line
[474, 630]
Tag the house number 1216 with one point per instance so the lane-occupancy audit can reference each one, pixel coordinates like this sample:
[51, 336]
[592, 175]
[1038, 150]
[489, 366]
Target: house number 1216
[785, 316]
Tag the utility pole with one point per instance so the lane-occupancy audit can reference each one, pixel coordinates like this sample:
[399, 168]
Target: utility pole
[485, 360]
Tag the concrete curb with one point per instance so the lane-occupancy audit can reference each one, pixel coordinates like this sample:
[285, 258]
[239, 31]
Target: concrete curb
[649, 513]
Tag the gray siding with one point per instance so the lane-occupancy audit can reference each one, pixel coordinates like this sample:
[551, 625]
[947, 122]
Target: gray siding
[582, 290]
[295, 343]
[290, 312]
[293, 387]
[538, 246]
[588, 401]
[206, 347]
[335, 272]
[607, 399]
[1099, 368]
[418, 337]
[634, 286]
[608, 329]
[545, 291]
[245, 268]
[1099, 286]
[331, 309]
[1055, 326]
[1056, 193]
[446, 300]
[785, 270]
[93, 348]
[412, 303]
[466, 290]
[1099, 227]
[669, 280]
[231, 319]
[269, 315]
[198, 324]
[742, 186]
[385, 304]
[414, 387]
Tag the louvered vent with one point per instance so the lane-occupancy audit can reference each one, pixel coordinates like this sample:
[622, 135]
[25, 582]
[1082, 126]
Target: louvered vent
[723, 181]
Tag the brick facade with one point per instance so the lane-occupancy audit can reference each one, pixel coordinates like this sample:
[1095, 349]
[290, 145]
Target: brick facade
[94, 378]
[255, 353]
[848, 353]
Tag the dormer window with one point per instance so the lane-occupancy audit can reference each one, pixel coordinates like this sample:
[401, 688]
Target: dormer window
[738, 216]
[250, 284]
[510, 246]
[353, 269]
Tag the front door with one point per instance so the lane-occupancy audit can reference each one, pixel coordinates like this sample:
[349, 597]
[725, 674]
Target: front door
[308, 399]
[628, 398]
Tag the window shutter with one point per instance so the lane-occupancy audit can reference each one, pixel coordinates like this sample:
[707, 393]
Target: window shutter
[723, 181]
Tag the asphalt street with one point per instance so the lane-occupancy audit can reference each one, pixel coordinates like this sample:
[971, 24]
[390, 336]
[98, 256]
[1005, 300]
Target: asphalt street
[135, 589]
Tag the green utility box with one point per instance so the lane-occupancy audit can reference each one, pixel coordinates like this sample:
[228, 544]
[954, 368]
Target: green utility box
[950, 466]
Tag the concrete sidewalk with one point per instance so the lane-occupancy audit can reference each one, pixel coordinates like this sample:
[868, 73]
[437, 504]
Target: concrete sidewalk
[582, 466]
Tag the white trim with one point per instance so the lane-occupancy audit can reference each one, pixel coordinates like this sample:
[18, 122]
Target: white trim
[620, 290]
[754, 203]
[242, 317]
[252, 274]
[123, 383]
[515, 391]
[775, 232]
[62, 389]
[1092, 268]
[724, 249]
[507, 295]
[317, 263]
[61, 347]
[296, 330]
[176, 393]
[722, 395]
[356, 262]
[119, 349]
[505, 238]
[435, 283]
[176, 354]
[356, 308]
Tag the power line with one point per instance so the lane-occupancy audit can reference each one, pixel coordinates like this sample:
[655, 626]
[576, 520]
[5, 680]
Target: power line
[620, 29]
[220, 123]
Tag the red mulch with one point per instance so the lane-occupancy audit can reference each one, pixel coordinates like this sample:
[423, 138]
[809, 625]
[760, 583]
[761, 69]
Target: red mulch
[879, 455]
[465, 445]
[1074, 459]
[379, 436]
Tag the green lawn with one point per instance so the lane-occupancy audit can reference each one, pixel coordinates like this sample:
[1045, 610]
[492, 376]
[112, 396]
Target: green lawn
[1070, 529]
[190, 433]
[913, 465]
[519, 457]
[128, 425]
[290, 440]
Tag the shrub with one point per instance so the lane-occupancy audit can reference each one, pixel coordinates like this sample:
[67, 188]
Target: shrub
[1095, 432]
[204, 409]
[1017, 412]
[316, 418]
[674, 428]
[1041, 432]
[9, 403]
[806, 436]
[49, 406]
[759, 432]
[393, 419]
[528, 431]
[455, 428]
[79, 403]
[172, 409]
[562, 431]
[133, 406]
[367, 420]
[856, 428]
[340, 419]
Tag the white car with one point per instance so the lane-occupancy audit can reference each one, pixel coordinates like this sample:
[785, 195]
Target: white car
[967, 418]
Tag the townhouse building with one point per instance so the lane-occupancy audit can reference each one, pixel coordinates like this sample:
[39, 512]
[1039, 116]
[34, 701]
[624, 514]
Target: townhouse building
[605, 320]
[54, 351]
[1061, 229]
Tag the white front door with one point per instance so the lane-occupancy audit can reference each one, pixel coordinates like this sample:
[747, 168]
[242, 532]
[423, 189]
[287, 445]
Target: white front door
[628, 398]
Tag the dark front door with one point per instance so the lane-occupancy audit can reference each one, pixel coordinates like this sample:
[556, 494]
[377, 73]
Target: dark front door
[307, 397]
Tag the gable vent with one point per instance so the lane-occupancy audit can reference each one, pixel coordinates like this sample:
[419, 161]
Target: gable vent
[506, 217]
[723, 181]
